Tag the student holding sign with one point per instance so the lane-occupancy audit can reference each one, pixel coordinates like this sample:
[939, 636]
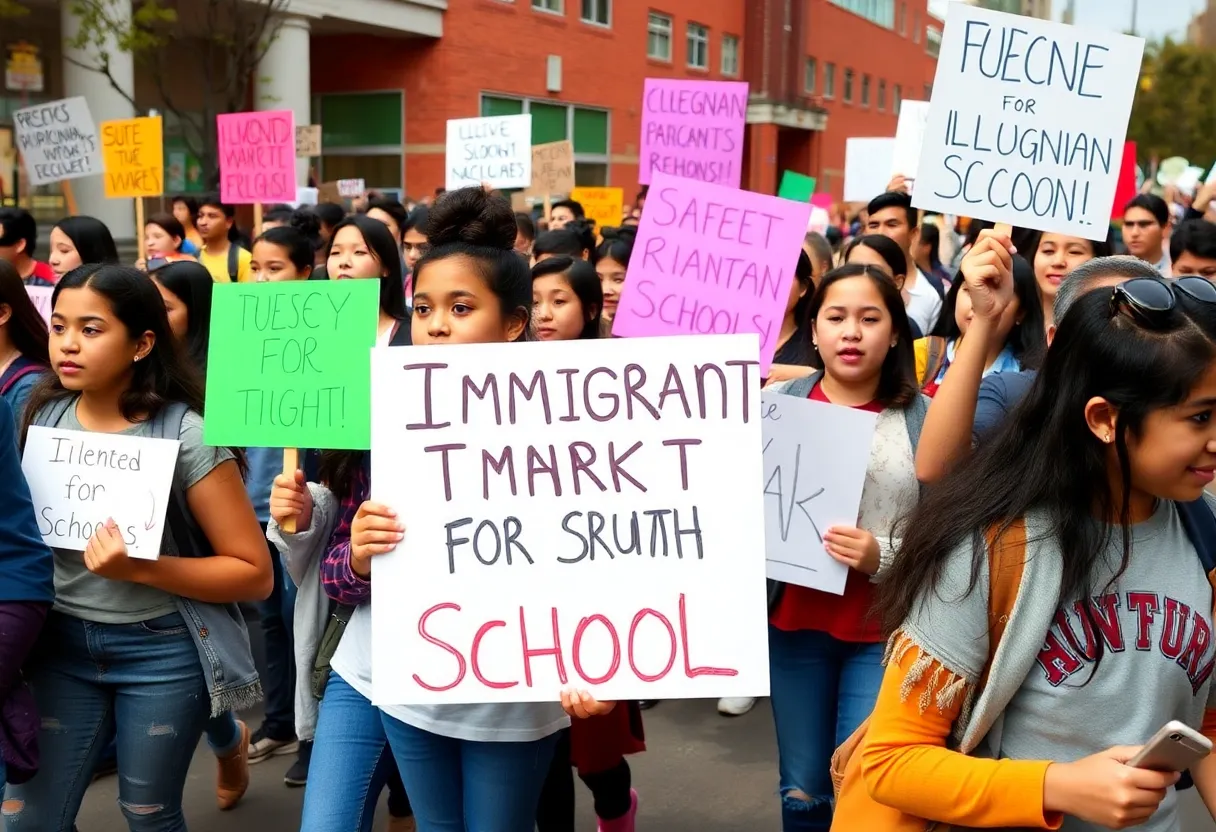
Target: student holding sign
[119, 371]
[825, 651]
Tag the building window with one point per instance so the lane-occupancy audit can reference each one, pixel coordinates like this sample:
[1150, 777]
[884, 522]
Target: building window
[902, 19]
[848, 86]
[554, 121]
[554, 6]
[897, 99]
[916, 27]
[598, 12]
[808, 76]
[829, 80]
[730, 55]
[353, 147]
[865, 90]
[933, 40]
[658, 37]
[881, 12]
[698, 46]
[882, 96]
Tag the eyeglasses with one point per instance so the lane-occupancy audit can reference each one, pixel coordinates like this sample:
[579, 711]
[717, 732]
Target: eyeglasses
[1150, 300]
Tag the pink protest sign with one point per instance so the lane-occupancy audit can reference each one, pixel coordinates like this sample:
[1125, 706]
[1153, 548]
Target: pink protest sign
[823, 201]
[693, 129]
[257, 157]
[711, 259]
[41, 296]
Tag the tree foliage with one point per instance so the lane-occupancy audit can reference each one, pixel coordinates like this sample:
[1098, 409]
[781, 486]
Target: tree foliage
[1173, 113]
[213, 74]
[12, 8]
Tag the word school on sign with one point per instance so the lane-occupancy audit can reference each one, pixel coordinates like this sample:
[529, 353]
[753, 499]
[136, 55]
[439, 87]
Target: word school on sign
[581, 507]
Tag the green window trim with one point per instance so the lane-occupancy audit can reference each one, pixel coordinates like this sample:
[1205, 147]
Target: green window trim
[360, 120]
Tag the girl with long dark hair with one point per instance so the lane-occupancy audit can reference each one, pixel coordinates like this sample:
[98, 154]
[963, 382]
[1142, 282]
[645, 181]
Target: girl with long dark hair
[78, 240]
[23, 339]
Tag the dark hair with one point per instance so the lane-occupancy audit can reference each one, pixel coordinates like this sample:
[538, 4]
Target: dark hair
[525, 225]
[1195, 236]
[894, 199]
[416, 221]
[305, 221]
[1046, 458]
[299, 248]
[617, 244]
[1152, 203]
[329, 213]
[391, 207]
[18, 224]
[212, 200]
[575, 207]
[91, 237]
[975, 227]
[931, 237]
[1028, 338]
[192, 284]
[190, 202]
[897, 378]
[165, 375]
[798, 348]
[561, 242]
[279, 213]
[384, 248]
[585, 284]
[884, 247]
[822, 248]
[26, 328]
[171, 226]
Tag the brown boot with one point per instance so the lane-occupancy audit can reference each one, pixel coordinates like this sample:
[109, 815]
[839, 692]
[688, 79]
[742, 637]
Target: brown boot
[232, 778]
[401, 824]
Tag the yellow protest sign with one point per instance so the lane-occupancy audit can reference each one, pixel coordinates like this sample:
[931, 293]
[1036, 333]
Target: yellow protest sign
[604, 205]
[133, 153]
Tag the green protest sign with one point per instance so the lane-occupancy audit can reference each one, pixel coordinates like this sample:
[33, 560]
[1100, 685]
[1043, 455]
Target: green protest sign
[796, 186]
[289, 364]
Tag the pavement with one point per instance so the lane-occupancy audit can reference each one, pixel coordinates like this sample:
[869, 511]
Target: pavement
[702, 773]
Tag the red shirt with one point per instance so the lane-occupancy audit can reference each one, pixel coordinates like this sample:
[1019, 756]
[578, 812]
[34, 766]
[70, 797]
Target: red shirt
[848, 617]
[43, 272]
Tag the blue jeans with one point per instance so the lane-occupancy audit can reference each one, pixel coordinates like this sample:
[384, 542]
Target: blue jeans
[143, 681]
[456, 785]
[279, 683]
[822, 689]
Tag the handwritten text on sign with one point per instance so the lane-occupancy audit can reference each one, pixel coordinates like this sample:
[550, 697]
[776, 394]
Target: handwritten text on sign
[496, 150]
[710, 259]
[815, 460]
[288, 364]
[604, 205]
[552, 168]
[1027, 122]
[567, 521]
[80, 479]
[58, 141]
[257, 157]
[693, 129]
[134, 157]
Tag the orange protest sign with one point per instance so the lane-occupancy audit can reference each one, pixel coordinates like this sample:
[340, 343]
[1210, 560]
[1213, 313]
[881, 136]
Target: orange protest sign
[133, 154]
[604, 205]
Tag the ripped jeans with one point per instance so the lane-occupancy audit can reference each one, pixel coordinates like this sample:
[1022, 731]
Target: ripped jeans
[822, 688]
[142, 682]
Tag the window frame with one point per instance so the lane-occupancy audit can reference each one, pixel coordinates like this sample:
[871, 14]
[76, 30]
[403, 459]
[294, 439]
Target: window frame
[702, 40]
[735, 41]
[810, 75]
[654, 29]
[829, 80]
[604, 6]
[847, 92]
[604, 159]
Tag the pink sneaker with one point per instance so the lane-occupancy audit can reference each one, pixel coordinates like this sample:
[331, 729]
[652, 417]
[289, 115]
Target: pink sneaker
[626, 822]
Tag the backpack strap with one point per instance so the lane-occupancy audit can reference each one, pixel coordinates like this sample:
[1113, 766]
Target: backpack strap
[935, 359]
[17, 370]
[187, 535]
[234, 261]
[49, 414]
[1200, 524]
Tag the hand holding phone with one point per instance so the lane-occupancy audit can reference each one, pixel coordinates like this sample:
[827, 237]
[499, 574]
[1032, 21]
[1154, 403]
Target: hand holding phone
[1176, 747]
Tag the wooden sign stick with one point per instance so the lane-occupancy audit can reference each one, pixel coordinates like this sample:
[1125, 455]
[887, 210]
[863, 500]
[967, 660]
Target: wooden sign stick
[291, 463]
[548, 210]
[139, 226]
[69, 198]
[257, 220]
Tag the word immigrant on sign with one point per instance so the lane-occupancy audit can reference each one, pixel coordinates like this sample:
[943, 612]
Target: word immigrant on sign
[1027, 122]
[288, 364]
[566, 521]
[815, 460]
[693, 129]
[79, 479]
[58, 141]
[496, 150]
[134, 157]
[257, 157]
[710, 259]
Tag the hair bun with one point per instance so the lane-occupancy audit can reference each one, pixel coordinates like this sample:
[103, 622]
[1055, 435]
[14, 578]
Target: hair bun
[627, 233]
[471, 216]
[306, 222]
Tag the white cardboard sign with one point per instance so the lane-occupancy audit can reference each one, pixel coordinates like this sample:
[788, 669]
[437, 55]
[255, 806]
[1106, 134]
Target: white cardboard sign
[496, 150]
[867, 167]
[815, 460]
[1027, 122]
[546, 506]
[58, 141]
[351, 188]
[909, 136]
[79, 479]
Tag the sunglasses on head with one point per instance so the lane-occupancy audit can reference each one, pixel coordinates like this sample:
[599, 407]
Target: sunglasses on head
[1150, 300]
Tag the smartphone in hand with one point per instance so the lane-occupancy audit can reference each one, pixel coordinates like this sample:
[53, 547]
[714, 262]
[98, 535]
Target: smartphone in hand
[1176, 747]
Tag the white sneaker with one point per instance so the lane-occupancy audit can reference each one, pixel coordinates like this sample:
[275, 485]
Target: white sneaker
[735, 705]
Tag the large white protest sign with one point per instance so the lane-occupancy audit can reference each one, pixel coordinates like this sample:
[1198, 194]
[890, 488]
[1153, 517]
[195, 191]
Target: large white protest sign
[586, 513]
[80, 479]
[1027, 122]
[909, 136]
[867, 167]
[58, 141]
[815, 460]
[496, 150]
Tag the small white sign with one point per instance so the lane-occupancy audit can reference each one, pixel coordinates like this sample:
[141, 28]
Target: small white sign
[351, 188]
[867, 167]
[815, 460]
[79, 479]
[584, 512]
[1027, 122]
[58, 141]
[496, 150]
[41, 296]
[909, 136]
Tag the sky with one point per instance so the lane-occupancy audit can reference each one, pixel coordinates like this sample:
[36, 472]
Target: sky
[1155, 19]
